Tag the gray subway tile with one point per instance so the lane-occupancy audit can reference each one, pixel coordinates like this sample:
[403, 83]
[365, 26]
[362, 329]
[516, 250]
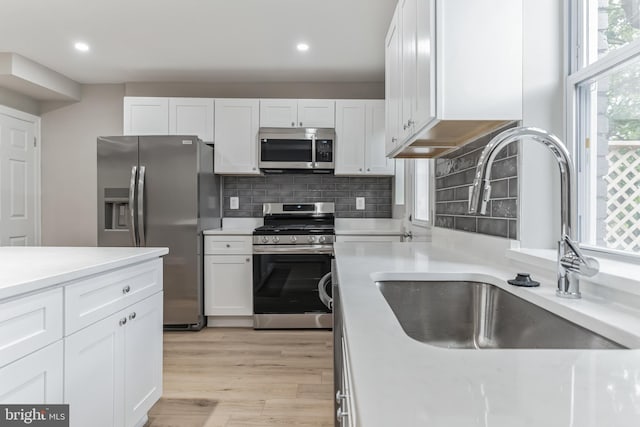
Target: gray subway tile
[493, 226]
[504, 208]
[513, 187]
[500, 189]
[513, 229]
[465, 223]
[444, 221]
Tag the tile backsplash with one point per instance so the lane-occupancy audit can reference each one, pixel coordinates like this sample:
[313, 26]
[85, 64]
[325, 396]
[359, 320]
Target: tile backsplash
[253, 191]
[455, 173]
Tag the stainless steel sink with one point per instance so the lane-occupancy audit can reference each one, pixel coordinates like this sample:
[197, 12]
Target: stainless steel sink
[479, 315]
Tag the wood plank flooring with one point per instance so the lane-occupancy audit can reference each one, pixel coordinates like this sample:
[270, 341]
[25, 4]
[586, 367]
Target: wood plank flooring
[235, 377]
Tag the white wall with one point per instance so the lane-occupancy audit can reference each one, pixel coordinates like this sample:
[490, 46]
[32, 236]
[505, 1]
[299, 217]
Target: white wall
[69, 133]
[543, 106]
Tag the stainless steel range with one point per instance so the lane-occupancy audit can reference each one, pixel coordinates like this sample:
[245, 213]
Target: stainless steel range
[292, 256]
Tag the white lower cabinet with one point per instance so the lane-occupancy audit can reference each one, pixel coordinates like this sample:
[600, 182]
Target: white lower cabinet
[228, 275]
[113, 368]
[34, 378]
[228, 287]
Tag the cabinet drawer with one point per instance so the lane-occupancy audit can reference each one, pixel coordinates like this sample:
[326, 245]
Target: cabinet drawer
[226, 245]
[29, 323]
[97, 297]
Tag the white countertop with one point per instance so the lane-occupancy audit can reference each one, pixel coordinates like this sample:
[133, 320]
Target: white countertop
[28, 269]
[368, 226]
[398, 381]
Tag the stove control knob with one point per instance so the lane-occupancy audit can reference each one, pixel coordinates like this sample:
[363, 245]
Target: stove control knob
[322, 239]
[276, 239]
[265, 239]
[310, 239]
[293, 239]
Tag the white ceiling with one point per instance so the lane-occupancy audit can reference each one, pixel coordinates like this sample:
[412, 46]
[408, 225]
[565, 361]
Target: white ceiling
[201, 40]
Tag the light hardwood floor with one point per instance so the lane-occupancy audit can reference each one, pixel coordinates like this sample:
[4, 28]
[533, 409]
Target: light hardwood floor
[240, 377]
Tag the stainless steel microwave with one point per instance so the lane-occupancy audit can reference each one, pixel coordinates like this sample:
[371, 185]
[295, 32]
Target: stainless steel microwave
[303, 149]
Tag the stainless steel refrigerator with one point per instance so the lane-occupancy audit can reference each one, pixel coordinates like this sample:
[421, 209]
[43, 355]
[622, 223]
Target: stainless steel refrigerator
[160, 191]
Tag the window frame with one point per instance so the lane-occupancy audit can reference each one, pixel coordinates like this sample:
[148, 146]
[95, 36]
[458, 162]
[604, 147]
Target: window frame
[413, 192]
[580, 72]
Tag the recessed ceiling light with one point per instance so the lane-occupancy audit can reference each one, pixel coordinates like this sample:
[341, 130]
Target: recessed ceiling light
[302, 47]
[82, 47]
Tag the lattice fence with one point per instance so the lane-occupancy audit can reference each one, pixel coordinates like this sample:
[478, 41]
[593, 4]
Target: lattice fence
[623, 188]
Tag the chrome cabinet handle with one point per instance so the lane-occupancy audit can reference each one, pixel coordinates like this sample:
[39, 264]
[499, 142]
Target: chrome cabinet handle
[340, 396]
[132, 316]
[394, 139]
[410, 123]
[132, 202]
[141, 235]
[126, 289]
[404, 127]
[123, 321]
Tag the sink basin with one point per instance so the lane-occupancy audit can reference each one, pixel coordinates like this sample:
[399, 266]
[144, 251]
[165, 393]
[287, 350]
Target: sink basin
[476, 315]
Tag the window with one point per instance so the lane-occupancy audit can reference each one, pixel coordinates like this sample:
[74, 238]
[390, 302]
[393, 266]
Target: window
[604, 109]
[421, 214]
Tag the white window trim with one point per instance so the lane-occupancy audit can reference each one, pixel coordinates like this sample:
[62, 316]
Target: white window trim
[579, 74]
[410, 167]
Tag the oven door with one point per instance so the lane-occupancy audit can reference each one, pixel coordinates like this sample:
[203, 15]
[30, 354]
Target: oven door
[286, 282]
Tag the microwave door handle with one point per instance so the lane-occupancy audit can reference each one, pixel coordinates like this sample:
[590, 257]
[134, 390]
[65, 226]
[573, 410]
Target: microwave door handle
[313, 151]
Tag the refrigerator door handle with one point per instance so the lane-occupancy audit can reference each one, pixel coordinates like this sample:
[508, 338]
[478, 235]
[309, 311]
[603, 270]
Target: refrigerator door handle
[132, 201]
[141, 235]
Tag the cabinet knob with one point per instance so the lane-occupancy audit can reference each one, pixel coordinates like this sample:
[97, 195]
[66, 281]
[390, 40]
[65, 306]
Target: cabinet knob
[300, 123]
[126, 289]
[404, 127]
[410, 123]
[254, 168]
[228, 245]
[360, 169]
[394, 139]
[247, 259]
[368, 170]
[293, 124]
[132, 316]
[123, 321]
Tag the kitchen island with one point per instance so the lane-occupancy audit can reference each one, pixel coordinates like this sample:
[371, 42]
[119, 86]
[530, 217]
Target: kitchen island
[396, 380]
[82, 326]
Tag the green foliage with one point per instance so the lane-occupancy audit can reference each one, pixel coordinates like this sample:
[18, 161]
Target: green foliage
[623, 96]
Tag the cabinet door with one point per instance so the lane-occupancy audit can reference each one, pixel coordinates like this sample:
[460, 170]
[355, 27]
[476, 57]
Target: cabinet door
[424, 100]
[279, 113]
[93, 373]
[408, 55]
[236, 136]
[34, 379]
[316, 113]
[350, 137]
[228, 286]
[191, 116]
[143, 358]
[376, 161]
[146, 116]
[392, 85]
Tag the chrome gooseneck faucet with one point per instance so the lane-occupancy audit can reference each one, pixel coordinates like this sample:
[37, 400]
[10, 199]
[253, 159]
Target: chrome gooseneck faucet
[571, 261]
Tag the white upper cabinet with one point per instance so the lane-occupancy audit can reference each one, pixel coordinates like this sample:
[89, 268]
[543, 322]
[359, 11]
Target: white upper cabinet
[279, 113]
[191, 116]
[318, 113]
[236, 136]
[457, 75]
[360, 138]
[146, 116]
[392, 85]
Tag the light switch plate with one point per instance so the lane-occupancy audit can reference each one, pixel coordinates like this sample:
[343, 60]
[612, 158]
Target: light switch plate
[234, 203]
[360, 203]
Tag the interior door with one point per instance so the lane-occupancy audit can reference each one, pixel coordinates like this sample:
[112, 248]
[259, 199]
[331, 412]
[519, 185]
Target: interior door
[117, 157]
[169, 218]
[17, 182]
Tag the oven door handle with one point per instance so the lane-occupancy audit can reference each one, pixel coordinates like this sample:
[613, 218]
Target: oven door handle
[322, 290]
[295, 249]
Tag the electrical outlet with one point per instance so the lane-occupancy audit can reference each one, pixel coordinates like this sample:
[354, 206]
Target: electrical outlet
[360, 203]
[234, 203]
